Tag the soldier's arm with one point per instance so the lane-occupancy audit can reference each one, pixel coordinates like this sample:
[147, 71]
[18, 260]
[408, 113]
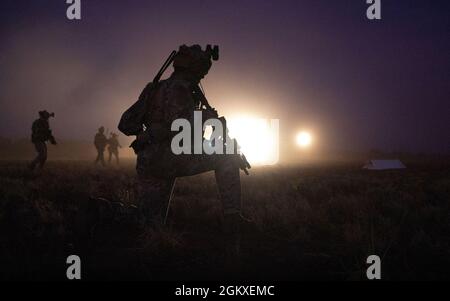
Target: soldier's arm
[49, 133]
[181, 103]
[51, 138]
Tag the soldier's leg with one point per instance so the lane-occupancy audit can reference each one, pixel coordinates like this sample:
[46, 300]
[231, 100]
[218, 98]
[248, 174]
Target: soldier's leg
[98, 157]
[116, 155]
[41, 149]
[153, 198]
[99, 154]
[226, 169]
[102, 157]
[229, 185]
[43, 154]
[228, 180]
[36, 159]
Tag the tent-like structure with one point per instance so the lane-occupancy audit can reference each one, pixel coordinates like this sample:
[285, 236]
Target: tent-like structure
[384, 164]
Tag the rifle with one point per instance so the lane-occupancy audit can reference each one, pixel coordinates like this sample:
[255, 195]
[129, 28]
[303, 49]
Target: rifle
[200, 96]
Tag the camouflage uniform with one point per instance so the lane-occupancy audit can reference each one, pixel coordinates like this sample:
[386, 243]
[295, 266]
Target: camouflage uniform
[113, 148]
[157, 166]
[40, 134]
[100, 142]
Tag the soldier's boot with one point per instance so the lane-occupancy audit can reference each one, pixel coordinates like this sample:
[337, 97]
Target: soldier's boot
[234, 226]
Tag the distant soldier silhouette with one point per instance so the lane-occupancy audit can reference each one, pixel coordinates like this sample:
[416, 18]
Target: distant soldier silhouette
[113, 147]
[150, 119]
[100, 142]
[40, 134]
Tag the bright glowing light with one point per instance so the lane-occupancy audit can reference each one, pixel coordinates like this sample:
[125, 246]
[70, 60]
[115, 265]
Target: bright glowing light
[304, 139]
[257, 137]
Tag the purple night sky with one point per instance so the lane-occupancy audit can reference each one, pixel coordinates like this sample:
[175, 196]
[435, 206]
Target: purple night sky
[319, 64]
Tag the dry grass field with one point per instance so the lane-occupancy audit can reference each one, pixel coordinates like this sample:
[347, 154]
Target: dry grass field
[309, 222]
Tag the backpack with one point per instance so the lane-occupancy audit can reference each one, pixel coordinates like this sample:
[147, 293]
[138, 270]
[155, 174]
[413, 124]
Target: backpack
[132, 120]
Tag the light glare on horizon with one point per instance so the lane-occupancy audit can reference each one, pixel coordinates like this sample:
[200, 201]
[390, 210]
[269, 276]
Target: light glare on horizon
[304, 139]
[257, 137]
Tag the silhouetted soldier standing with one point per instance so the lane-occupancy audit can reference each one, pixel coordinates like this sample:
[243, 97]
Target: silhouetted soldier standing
[40, 134]
[100, 142]
[159, 104]
[113, 147]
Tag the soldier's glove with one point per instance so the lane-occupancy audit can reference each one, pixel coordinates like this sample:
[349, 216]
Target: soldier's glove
[244, 164]
[142, 139]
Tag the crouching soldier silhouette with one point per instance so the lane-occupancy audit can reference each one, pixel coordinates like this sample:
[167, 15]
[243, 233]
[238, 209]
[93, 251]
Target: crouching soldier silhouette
[150, 119]
[100, 142]
[40, 134]
[113, 147]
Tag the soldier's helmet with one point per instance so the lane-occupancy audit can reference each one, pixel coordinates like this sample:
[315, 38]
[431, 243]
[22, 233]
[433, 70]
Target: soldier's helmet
[101, 129]
[46, 115]
[194, 59]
